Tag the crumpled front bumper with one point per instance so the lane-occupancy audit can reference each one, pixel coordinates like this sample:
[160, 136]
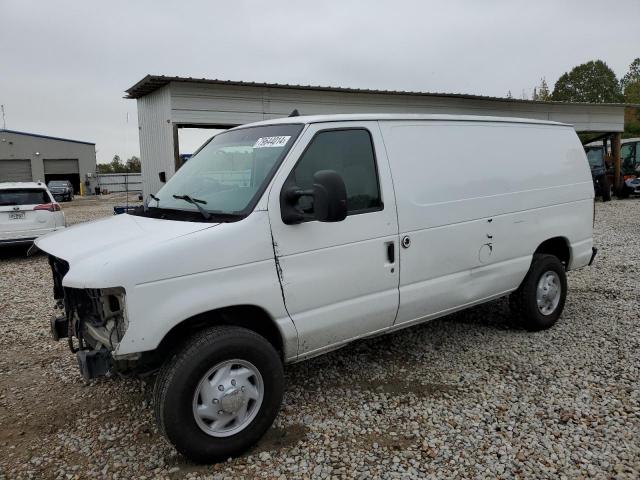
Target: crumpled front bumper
[94, 363]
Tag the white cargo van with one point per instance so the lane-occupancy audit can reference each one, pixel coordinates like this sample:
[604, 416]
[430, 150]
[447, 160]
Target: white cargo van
[285, 239]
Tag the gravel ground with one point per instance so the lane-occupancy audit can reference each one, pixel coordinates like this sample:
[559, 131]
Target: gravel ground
[463, 396]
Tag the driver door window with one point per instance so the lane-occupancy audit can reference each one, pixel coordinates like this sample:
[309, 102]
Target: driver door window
[350, 153]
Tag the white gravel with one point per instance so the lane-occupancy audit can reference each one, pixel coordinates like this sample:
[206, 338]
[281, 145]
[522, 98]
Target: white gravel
[463, 396]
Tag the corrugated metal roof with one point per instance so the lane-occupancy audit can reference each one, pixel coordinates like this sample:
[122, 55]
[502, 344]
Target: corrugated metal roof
[151, 83]
[45, 136]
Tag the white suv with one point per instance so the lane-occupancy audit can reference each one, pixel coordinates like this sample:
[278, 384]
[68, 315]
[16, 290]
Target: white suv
[27, 211]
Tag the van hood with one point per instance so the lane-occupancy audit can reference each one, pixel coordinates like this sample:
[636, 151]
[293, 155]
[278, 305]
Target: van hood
[119, 232]
[130, 252]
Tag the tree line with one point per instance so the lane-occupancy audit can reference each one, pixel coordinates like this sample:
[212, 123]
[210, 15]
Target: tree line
[131, 165]
[595, 82]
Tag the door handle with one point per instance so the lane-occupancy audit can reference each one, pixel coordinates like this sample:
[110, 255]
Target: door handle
[391, 252]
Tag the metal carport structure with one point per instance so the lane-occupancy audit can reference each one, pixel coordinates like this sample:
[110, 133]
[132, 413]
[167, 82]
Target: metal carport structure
[166, 104]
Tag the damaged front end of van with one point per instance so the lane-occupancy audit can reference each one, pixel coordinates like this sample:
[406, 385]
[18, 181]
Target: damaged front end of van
[92, 320]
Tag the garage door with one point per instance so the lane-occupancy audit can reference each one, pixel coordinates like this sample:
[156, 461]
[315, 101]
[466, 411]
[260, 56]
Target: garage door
[63, 169]
[15, 170]
[59, 166]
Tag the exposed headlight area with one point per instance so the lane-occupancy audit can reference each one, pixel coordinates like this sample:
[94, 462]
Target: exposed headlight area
[97, 316]
[93, 320]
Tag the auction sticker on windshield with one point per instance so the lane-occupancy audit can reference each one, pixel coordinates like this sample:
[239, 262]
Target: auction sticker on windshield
[264, 142]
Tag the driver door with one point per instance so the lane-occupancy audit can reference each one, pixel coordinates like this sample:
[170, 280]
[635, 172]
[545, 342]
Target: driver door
[339, 279]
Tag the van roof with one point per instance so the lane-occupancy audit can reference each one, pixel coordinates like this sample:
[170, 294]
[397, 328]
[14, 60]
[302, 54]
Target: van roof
[399, 116]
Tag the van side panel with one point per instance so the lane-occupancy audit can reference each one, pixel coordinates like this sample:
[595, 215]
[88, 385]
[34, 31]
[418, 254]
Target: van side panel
[476, 200]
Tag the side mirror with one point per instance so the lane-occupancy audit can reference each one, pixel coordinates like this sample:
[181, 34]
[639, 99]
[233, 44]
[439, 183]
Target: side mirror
[329, 196]
[163, 177]
[329, 200]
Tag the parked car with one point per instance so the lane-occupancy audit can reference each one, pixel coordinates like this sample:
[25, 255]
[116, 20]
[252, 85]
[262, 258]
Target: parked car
[62, 190]
[633, 184]
[282, 240]
[27, 211]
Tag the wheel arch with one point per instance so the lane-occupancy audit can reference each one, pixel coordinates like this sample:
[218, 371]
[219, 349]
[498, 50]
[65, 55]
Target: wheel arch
[558, 247]
[251, 317]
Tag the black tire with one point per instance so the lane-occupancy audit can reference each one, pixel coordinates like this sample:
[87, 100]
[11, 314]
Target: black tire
[523, 301]
[179, 377]
[605, 188]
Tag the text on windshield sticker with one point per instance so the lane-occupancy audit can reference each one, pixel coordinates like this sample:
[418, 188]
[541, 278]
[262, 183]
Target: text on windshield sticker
[264, 142]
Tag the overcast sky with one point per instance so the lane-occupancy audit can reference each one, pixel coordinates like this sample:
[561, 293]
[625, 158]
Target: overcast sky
[64, 65]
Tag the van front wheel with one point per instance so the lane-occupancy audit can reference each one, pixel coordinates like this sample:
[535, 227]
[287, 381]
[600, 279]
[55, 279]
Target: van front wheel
[219, 394]
[538, 302]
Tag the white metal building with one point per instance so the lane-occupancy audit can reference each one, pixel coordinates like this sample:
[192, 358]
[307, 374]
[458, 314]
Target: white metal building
[27, 157]
[166, 104]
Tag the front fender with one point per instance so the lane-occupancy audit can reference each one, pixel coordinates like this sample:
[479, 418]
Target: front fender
[154, 308]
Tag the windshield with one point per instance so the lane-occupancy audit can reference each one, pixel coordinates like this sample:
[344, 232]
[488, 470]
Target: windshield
[230, 172]
[57, 184]
[594, 155]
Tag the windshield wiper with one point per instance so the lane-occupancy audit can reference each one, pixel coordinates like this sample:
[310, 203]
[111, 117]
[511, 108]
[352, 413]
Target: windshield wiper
[146, 203]
[196, 202]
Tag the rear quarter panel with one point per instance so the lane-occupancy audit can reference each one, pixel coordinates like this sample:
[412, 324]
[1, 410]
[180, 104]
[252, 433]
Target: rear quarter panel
[477, 199]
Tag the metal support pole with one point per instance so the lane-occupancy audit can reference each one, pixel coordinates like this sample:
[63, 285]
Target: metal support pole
[176, 149]
[615, 155]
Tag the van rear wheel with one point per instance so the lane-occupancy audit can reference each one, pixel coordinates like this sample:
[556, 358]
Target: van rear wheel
[538, 302]
[219, 394]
